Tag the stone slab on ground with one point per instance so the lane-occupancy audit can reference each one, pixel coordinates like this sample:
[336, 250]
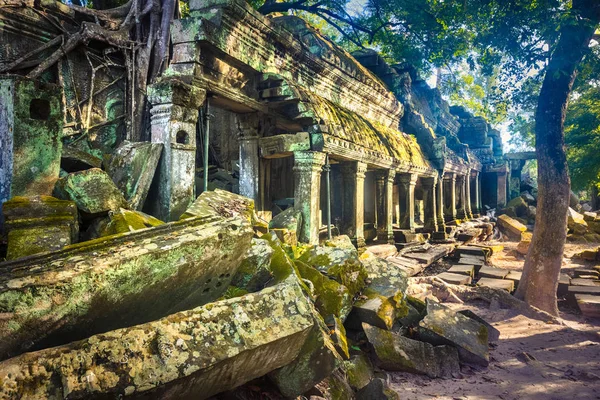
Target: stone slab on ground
[581, 272]
[398, 353]
[472, 260]
[442, 326]
[511, 227]
[589, 305]
[492, 272]
[454, 279]
[463, 269]
[564, 281]
[503, 284]
[514, 276]
[473, 251]
[430, 256]
[584, 282]
[191, 354]
[117, 281]
[383, 250]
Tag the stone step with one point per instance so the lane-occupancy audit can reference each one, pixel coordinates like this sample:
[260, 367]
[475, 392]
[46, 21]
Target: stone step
[463, 269]
[454, 279]
[503, 284]
[584, 282]
[564, 281]
[492, 272]
[514, 276]
[583, 272]
[430, 256]
[589, 305]
[476, 261]
[473, 251]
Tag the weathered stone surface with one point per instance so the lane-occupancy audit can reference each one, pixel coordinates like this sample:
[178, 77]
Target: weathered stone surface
[443, 326]
[132, 167]
[92, 190]
[519, 205]
[514, 276]
[454, 279]
[331, 296]
[289, 219]
[221, 203]
[468, 270]
[337, 263]
[124, 221]
[38, 224]
[589, 305]
[254, 272]
[374, 309]
[191, 354]
[525, 242]
[286, 236]
[72, 160]
[493, 333]
[576, 222]
[385, 277]
[589, 216]
[316, 361]
[337, 333]
[117, 281]
[359, 371]
[398, 353]
[377, 389]
[585, 282]
[503, 284]
[492, 272]
[334, 387]
[511, 227]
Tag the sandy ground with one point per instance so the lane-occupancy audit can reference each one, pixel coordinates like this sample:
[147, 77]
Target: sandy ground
[531, 360]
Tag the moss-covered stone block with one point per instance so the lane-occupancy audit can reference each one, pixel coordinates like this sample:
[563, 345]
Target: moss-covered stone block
[374, 309]
[38, 224]
[395, 352]
[377, 389]
[93, 192]
[117, 281]
[511, 227]
[359, 371]
[254, 272]
[123, 221]
[221, 203]
[190, 354]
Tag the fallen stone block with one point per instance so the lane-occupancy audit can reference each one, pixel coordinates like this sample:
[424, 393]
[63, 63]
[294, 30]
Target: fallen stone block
[39, 224]
[585, 282]
[493, 333]
[337, 333]
[289, 219]
[221, 203]
[523, 246]
[581, 272]
[124, 221]
[132, 167]
[454, 279]
[359, 371]
[254, 272]
[377, 389]
[73, 160]
[477, 262]
[514, 276]
[492, 272]
[286, 236]
[374, 309]
[383, 250]
[442, 326]
[511, 227]
[334, 387]
[430, 256]
[589, 305]
[463, 269]
[93, 192]
[406, 236]
[340, 264]
[576, 222]
[502, 284]
[316, 361]
[397, 353]
[589, 216]
[191, 354]
[564, 281]
[520, 206]
[475, 251]
[385, 277]
[117, 281]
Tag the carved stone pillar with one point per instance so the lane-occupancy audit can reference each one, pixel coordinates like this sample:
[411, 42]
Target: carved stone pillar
[353, 175]
[440, 202]
[461, 211]
[479, 194]
[249, 167]
[429, 203]
[407, 200]
[450, 182]
[307, 192]
[385, 205]
[174, 115]
[467, 198]
[502, 189]
[475, 194]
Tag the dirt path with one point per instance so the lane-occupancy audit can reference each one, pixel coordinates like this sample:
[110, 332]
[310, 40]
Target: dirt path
[532, 359]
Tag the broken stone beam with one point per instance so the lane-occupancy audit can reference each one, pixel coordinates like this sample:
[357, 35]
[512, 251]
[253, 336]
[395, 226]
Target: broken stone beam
[192, 354]
[442, 326]
[117, 281]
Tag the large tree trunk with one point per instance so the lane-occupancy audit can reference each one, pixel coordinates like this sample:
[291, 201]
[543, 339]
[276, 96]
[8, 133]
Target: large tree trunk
[542, 266]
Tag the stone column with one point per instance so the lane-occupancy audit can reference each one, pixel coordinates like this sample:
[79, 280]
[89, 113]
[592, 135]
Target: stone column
[353, 174]
[440, 202]
[461, 211]
[467, 198]
[429, 203]
[501, 199]
[476, 190]
[516, 166]
[450, 181]
[174, 115]
[385, 205]
[307, 193]
[479, 194]
[407, 200]
[249, 167]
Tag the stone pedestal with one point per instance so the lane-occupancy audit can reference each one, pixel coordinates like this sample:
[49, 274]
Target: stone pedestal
[407, 200]
[450, 191]
[353, 208]
[249, 168]
[39, 224]
[307, 193]
[429, 203]
[174, 115]
[385, 204]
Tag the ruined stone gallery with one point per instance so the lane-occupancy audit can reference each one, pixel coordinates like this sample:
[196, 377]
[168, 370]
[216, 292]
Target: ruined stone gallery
[276, 217]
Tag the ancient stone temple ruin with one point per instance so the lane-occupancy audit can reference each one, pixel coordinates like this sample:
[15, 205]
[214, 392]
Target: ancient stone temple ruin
[116, 254]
